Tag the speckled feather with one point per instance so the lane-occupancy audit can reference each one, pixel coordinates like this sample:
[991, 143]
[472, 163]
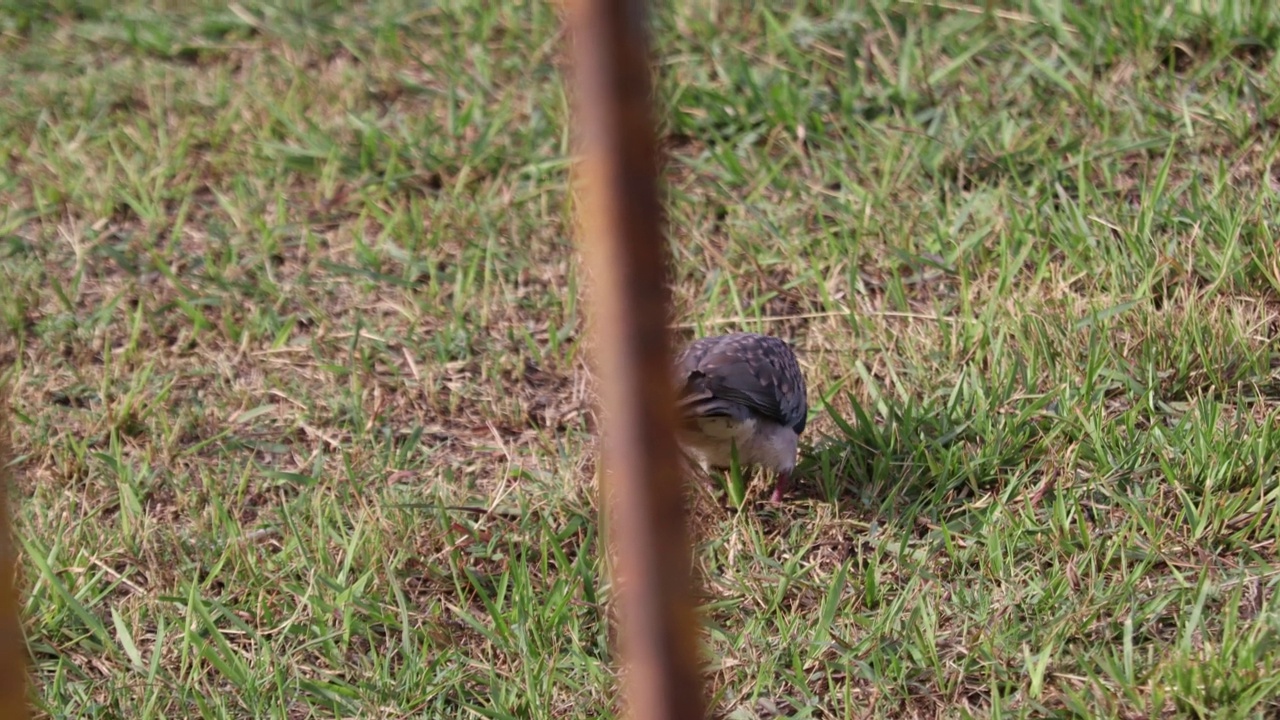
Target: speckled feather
[756, 372]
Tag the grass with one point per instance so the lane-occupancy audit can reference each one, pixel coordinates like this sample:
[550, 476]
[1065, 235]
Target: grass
[282, 281]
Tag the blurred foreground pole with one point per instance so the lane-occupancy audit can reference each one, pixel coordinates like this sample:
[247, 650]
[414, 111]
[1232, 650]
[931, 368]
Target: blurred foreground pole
[621, 238]
[13, 671]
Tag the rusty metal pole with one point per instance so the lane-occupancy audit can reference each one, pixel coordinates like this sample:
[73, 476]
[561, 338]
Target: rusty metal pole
[13, 670]
[622, 240]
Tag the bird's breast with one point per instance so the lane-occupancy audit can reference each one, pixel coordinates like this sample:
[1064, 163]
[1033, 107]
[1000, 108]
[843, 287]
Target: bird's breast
[726, 429]
[759, 442]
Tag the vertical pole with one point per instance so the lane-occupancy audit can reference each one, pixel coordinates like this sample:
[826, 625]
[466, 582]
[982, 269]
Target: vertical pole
[13, 671]
[622, 241]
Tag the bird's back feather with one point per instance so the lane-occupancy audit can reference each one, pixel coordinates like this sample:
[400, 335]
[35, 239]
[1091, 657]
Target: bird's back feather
[729, 375]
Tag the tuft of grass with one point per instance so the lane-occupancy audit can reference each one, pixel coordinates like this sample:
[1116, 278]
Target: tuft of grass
[288, 308]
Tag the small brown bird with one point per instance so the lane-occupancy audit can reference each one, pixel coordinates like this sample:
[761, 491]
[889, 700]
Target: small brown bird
[744, 390]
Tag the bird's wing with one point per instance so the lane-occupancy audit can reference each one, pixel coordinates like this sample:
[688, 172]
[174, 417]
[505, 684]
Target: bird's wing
[756, 372]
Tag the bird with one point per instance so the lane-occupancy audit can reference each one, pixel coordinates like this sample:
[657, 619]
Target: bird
[743, 391]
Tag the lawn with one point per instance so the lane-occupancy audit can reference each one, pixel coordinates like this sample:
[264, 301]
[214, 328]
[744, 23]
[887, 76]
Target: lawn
[288, 311]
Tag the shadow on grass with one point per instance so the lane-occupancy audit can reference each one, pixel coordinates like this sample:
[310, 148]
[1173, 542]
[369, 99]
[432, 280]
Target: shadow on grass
[911, 458]
[927, 461]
